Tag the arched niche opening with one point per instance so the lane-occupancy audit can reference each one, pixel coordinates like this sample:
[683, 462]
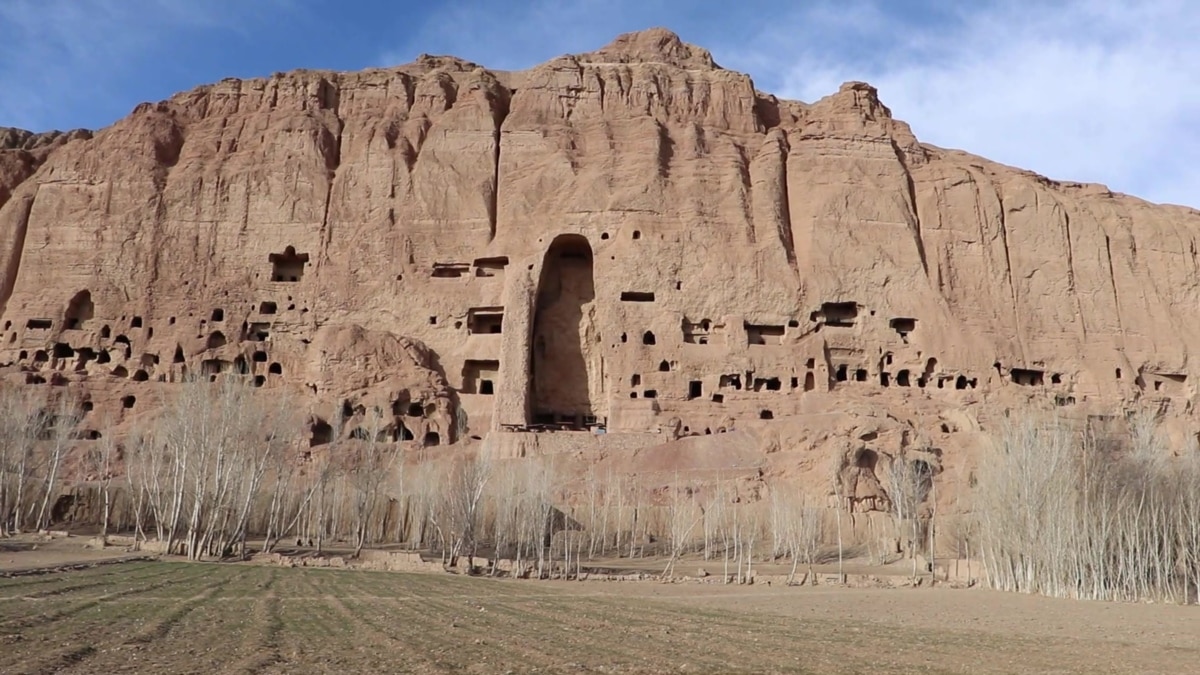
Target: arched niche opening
[79, 310]
[565, 381]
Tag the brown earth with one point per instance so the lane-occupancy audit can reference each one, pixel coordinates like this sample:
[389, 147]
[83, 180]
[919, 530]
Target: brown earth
[176, 617]
[632, 240]
[27, 552]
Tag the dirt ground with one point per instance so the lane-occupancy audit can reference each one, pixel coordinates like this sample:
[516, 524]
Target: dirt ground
[180, 617]
[32, 551]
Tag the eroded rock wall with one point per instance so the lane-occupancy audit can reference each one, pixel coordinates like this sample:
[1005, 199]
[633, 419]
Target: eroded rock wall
[633, 239]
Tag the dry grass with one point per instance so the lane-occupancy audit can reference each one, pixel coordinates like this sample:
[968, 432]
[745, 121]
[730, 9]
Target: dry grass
[176, 617]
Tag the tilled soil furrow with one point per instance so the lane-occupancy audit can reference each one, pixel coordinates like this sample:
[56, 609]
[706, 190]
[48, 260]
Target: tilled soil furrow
[262, 643]
[30, 621]
[318, 638]
[396, 651]
[557, 638]
[56, 662]
[160, 627]
[406, 656]
[45, 587]
[11, 584]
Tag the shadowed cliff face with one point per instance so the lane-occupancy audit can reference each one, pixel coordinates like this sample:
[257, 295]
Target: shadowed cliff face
[761, 242]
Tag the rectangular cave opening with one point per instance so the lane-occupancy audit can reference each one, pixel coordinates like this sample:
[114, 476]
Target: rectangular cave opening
[695, 389]
[485, 320]
[837, 314]
[490, 267]
[903, 326]
[479, 376]
[450, 270]
[757, 334]
[1027, 377]
[39, 324]
[767, 383]
[636, 296]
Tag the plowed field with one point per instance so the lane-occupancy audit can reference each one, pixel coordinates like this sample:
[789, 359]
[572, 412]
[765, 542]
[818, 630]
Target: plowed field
[209, 618]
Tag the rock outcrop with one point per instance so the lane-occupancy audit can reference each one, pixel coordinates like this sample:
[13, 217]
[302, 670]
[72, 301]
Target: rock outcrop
[632, 239]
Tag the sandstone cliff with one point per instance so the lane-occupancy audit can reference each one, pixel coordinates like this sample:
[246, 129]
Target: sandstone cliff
[632, 238]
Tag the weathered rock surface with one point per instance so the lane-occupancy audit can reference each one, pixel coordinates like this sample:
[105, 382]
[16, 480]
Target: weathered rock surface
[633, 238]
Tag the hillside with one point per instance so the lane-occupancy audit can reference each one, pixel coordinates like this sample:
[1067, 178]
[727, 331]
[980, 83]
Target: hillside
[631, 239]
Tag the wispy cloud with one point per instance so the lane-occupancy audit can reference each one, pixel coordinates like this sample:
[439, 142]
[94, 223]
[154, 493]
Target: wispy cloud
[1094, 90]
[1105, 91]
[1098, 90]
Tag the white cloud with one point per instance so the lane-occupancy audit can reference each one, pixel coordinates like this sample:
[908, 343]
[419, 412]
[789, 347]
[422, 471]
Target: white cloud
[1090, 90]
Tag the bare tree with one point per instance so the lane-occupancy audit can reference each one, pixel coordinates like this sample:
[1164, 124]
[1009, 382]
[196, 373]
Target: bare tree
[374, 461]
[100, 461]
[61, 432]
[22, 423]
[468, 480]
[908, 483]
[1068, 514]
[683, 517]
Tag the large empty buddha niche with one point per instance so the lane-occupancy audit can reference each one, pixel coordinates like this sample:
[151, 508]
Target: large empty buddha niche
[287, 266]
[79, 310]
[837, 314]
[479, 377]
[485, 320]
[764, 335]
[566, 364]
[1029, 378]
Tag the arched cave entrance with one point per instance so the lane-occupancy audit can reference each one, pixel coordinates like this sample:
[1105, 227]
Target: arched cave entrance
[565, 383]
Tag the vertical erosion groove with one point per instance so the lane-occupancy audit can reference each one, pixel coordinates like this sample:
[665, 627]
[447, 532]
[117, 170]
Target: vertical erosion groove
[785, 223]
[330, 99]
[12, 265]
[911, 187]
[501, 101]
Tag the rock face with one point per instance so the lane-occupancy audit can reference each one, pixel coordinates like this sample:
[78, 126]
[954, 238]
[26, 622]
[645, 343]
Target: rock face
[632, 239]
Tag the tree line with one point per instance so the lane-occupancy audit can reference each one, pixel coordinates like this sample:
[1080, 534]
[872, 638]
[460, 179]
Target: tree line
[221, 469]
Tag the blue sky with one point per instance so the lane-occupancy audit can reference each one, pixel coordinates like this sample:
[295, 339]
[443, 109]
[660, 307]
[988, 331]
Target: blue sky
[1096, 90]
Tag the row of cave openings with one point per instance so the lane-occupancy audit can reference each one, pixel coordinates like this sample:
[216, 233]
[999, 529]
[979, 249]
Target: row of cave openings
[479, 320]
[81, 310]
[396, 430]
[706, 331]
